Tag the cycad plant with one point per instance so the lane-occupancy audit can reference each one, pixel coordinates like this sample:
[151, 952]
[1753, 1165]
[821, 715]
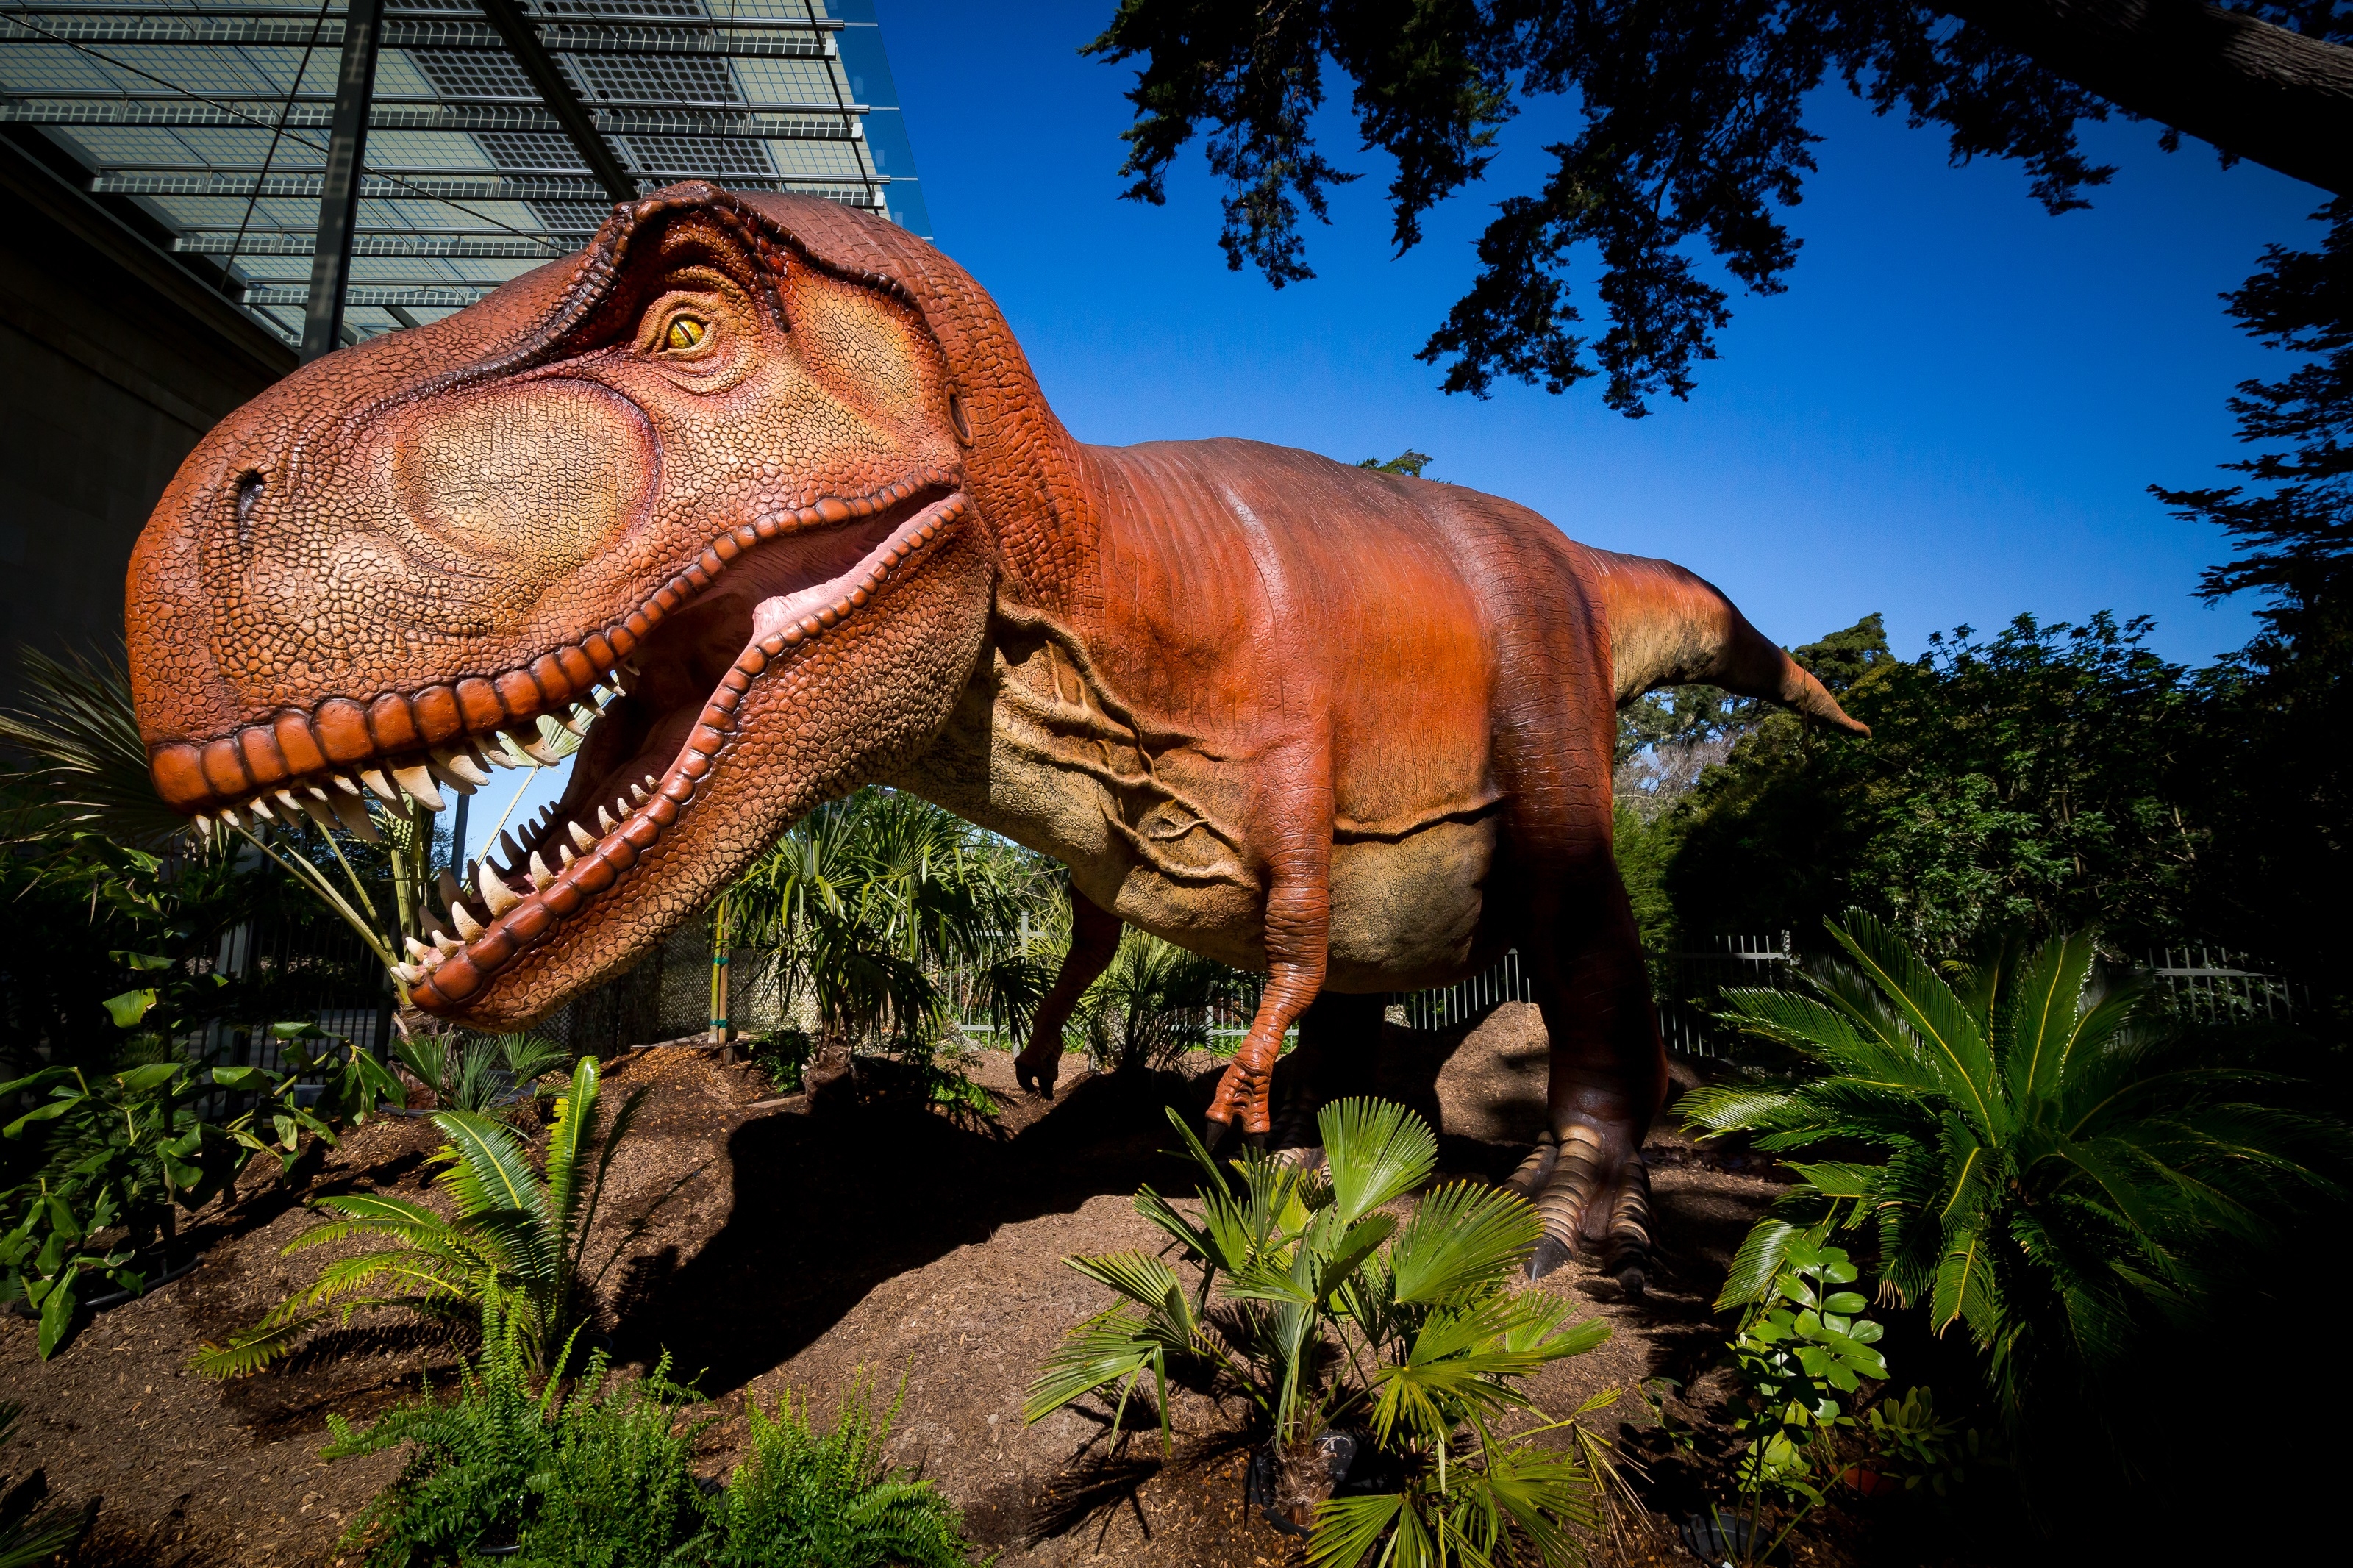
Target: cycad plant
[487, 1076]
[520, 1231]
[2057, 1168]
[1400, 1343]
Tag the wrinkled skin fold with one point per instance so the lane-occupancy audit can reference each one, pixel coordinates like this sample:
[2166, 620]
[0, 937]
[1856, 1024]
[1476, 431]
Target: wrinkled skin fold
[777, 474]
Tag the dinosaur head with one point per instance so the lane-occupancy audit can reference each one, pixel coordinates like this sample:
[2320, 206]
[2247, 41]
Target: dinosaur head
[719, 464]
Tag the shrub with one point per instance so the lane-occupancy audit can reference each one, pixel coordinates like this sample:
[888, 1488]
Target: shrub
[1336, 1322]
[807, 1500]
[589, 1475]
[520, 1231]
[2055, 1173]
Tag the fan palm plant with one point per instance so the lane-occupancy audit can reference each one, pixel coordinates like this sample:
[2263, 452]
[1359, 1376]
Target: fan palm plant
[870, 900]
[521, 1231]
[2057, 1169]
[1399, 1345]
[1151, 1004]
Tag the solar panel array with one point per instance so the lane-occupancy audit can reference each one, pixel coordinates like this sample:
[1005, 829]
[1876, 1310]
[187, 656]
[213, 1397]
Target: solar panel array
[212, 116]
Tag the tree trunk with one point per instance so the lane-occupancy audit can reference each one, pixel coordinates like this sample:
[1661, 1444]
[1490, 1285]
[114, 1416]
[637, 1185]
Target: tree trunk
[2256, 91]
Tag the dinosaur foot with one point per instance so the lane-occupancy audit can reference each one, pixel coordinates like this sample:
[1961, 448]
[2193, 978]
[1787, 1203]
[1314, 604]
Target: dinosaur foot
[1037, 1075]
[1588, 1198]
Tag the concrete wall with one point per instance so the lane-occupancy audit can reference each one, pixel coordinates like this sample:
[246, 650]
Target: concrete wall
[114, 360]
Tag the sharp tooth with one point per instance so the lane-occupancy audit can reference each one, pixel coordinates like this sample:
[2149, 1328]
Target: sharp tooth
[345, 782]
[463, 917]
[540, 874]
[446, 884]
[204, 825]
[445, 944]
[445, 770]
[418, 781]
[638, 793]
[260, 809]
[621, 807]
[533, 745]
[605, 823]
[228, 814]
[652, 783]
[581, 837]
[509, 850]
[566, 854]
[416, 948]
[495, 892]
[354, 813]
[576, 721]
[382, 787]
[460, 766]
[409, 973]
[321, 814]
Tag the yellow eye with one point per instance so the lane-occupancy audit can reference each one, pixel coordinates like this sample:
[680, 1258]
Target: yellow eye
[685, 333]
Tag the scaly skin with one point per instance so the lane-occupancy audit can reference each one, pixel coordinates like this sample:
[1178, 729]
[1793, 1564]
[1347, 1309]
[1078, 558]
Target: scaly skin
[787, 461]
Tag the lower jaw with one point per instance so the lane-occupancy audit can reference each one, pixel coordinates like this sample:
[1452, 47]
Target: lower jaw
[455, 982]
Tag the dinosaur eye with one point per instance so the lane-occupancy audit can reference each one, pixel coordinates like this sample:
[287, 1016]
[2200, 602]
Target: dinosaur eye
[685, 333]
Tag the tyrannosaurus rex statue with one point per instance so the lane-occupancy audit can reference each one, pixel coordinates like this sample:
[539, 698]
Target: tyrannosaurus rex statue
[780, 469]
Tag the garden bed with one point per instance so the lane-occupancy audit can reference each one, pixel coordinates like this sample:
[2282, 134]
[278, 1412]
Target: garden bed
[801, 1251]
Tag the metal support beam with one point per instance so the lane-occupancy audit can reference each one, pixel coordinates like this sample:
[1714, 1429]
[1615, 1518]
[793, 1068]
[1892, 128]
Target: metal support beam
[339, 193]
[556, 94]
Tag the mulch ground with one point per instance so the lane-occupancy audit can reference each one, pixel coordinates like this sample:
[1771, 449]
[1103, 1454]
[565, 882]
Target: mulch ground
[881, 1246]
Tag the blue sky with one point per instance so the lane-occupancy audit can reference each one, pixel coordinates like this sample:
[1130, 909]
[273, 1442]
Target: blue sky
[1950, 416]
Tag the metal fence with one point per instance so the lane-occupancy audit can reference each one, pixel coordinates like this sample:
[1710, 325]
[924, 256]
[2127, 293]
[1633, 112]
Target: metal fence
[2215, 985]
[295, 971]
[666, 995]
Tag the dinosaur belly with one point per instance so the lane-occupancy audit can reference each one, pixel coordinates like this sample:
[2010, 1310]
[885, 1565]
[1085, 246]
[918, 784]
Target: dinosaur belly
[1151, 828]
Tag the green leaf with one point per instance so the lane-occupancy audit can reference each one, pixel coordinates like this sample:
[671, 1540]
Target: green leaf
[128, 1008]
[56, 1316]
[1964, 1287]
[48, 1112]
[1463, 1237]
[244, 1078]
[1839, 1180]
[1375, 1152]
[142, 962]
[1347, 1528]
[149, 1078]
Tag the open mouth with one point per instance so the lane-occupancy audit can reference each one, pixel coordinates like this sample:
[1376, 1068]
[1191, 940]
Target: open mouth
[654, 695]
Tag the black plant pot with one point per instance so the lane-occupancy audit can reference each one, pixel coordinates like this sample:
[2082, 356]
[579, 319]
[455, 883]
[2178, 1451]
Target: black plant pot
[114, 1297]
[1357, 1467]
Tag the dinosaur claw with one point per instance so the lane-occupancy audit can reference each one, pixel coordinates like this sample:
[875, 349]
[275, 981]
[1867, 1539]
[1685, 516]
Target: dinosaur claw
[1550, 1254]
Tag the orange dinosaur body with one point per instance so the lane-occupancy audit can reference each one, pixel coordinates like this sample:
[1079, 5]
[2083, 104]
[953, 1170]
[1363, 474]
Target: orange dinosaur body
[781, 470]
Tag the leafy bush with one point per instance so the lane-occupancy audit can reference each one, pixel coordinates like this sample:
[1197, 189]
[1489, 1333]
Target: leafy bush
[2055, 1175]
[807, 1500]
[1330, 1316]
[1151, 1004]
[1800, 1346]
[518, 1231]
[591, 1474]
[868, 903]
[128, 1151]
[479, 1075]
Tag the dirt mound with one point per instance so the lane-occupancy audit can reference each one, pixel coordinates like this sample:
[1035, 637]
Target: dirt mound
[885, 1242]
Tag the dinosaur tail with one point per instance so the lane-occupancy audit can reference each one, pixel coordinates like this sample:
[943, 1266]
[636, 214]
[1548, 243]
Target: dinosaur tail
[1669, 628]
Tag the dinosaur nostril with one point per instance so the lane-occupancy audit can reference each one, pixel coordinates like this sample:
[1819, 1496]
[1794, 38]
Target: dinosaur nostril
[249, 485]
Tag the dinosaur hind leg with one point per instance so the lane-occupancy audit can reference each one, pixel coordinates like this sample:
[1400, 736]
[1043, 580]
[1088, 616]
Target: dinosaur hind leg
[1339, 1041]
[1094, 938]
[1587, 1177]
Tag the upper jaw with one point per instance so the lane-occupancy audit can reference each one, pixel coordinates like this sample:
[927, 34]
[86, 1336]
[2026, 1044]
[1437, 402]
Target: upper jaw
[415, 745]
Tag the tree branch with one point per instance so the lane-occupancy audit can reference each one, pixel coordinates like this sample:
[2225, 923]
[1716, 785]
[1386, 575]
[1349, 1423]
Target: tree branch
[2254, 91]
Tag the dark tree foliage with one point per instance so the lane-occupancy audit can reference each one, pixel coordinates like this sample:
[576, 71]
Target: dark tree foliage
[2031, 780]
[2295, 532]
[1694, 133]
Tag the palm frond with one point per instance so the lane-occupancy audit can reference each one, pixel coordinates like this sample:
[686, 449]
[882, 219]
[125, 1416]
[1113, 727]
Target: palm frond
[1376, 1151]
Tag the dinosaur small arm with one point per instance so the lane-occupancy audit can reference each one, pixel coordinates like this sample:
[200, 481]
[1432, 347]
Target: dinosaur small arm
[761, 492]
